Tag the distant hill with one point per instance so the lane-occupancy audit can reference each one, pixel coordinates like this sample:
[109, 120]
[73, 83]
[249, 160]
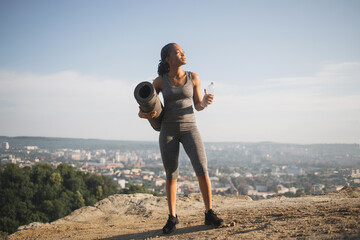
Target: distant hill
[82, 143]
[74, 143]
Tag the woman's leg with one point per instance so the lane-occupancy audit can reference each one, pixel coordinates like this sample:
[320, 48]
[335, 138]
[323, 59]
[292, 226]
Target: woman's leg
[173, 220]
[194, 147]
[171, 195]
[169, 148]
[205, 188]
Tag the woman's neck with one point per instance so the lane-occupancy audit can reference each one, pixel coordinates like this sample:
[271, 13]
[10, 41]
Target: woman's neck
[176, 72]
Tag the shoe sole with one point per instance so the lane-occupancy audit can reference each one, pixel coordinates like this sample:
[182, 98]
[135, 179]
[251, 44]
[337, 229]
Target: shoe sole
[213, 225]
[173, 230]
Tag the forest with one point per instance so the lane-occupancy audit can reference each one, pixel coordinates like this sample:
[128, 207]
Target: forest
[43, 193]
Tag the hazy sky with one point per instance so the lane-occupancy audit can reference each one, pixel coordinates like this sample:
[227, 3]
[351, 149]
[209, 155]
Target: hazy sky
[284, 71]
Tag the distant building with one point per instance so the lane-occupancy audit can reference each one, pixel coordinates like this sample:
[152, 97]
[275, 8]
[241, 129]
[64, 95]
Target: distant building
[115, 165]
[76, 156]
[12, 159]
[5, 145]
[214, 179]
[121, 183]
[159, 182]
[318, 188]
[355, 173]
[235, 175]
[31, 147]
[281, 189]
[334, 188]
[293, 190]
[261, 188]
[295, 171]
[86, 156]
[148, 173]
[248, 175]
[102, 161]
[136, 171]
[117, 157]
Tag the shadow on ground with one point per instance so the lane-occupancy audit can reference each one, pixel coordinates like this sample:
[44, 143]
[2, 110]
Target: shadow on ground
[154, 233]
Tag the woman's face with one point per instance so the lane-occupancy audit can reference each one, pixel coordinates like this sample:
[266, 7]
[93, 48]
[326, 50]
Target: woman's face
[176, 56]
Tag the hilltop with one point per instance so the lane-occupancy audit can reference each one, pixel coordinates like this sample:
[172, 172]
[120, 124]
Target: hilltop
[141, 216]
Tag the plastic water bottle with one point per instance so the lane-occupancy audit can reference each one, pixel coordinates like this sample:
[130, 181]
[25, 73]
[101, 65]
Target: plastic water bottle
[209, 90]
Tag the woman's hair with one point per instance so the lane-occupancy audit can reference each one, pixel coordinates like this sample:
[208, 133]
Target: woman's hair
[163, 66]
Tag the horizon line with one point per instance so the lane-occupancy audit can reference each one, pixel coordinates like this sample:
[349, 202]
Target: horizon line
[154, 141]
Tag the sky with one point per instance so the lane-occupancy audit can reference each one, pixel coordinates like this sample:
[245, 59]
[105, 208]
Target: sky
[284, 71]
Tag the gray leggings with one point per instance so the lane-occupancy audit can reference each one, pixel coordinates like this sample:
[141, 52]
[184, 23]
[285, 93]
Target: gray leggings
[171, 134]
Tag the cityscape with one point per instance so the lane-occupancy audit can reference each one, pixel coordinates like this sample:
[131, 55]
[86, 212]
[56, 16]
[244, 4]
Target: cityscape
[258, 170]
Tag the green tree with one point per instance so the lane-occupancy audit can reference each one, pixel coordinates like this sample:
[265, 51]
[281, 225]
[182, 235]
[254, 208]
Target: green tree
[135, 189]
[99, 192]
[45, 194]
[56, 179]
[16, 192]
[79, 200]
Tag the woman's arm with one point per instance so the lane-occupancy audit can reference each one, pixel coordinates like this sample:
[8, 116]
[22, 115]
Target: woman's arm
[157, 83]
[208, 98]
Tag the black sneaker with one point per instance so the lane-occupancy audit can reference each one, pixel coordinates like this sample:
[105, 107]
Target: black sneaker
[212, 220]
[171, 224]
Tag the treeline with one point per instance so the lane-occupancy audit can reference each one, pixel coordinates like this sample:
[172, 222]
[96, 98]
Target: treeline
[133, 188]
[44, 194]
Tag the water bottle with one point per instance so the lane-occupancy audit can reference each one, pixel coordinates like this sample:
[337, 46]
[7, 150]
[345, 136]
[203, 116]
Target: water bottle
[209, 90]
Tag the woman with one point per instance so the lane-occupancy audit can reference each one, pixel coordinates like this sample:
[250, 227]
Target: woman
[181, 90]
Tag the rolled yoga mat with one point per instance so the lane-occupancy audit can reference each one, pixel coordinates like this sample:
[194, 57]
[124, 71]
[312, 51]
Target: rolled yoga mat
[146, 96]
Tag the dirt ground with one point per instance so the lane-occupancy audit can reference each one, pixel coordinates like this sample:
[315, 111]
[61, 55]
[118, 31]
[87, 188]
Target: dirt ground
[142, 216]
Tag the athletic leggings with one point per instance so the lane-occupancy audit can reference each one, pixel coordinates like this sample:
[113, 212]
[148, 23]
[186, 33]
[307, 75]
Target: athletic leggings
[171, 134]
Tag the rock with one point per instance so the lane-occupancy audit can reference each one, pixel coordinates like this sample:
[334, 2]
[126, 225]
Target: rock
[31, 226]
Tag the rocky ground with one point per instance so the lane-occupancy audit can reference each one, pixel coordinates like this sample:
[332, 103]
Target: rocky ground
[141, 216]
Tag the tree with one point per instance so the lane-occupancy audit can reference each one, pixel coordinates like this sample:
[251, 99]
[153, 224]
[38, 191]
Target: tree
[135, 189]
[56, 179]
[16, 192]
[45, 194]
[99, 192]
[79, 200]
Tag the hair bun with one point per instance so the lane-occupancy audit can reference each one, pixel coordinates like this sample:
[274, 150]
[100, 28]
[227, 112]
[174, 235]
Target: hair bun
[163, 66]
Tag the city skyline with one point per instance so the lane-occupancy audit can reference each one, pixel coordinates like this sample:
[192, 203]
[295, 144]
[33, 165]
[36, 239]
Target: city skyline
[284, 71]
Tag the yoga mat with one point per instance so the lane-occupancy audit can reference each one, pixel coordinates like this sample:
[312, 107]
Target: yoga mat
[146, 96]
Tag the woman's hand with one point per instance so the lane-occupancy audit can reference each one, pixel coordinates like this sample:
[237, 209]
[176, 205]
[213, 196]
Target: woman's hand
[148, 115]
[208, 98]
[199, 102]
